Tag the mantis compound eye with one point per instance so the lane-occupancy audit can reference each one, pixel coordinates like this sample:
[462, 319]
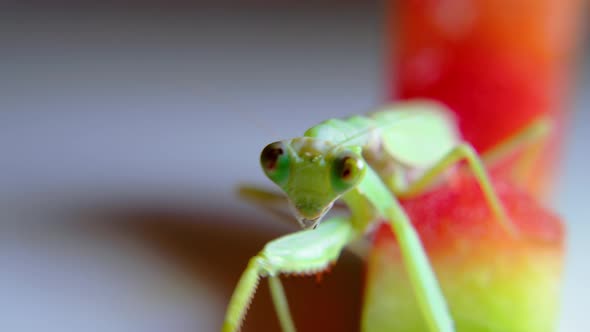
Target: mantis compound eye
[347, 170]
[275, 162]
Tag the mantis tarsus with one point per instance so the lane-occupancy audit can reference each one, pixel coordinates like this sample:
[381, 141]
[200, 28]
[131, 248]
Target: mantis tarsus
[367, 162]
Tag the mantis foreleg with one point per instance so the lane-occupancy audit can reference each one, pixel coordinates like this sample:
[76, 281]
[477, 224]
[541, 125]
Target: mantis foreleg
[276, 204]
[304, 252]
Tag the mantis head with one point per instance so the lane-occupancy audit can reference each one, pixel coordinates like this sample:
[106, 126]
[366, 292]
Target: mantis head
[313, 173]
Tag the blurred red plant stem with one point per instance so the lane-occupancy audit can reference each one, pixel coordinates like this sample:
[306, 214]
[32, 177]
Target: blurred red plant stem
[498, 64]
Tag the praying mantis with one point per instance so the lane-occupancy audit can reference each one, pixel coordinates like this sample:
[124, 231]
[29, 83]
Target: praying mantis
[368, 163]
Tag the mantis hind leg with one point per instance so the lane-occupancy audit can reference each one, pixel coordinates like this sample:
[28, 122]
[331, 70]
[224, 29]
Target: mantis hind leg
[529, 140]
[463, 151]
[533, 133]
[303, 252]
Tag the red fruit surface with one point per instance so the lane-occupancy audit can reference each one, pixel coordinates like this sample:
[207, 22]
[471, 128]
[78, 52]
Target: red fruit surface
[492, 280]
[457, 210]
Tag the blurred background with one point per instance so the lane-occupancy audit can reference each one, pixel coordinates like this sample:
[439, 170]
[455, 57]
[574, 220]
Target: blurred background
[125, 128]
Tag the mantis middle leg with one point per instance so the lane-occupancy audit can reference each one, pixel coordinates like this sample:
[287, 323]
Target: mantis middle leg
[420, 272]
[424, 283]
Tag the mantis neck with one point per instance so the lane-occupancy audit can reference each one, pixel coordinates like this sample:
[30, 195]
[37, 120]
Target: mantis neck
[368, 201]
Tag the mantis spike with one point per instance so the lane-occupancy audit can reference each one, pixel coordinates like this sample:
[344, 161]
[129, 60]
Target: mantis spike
[242, 297]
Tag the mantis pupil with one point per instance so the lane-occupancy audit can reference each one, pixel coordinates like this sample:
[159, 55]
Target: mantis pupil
[346, 169]
[274, 158]
[270, 156]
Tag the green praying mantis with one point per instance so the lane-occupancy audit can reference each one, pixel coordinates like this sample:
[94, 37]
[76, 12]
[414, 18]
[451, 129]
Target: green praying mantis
[367, 162]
